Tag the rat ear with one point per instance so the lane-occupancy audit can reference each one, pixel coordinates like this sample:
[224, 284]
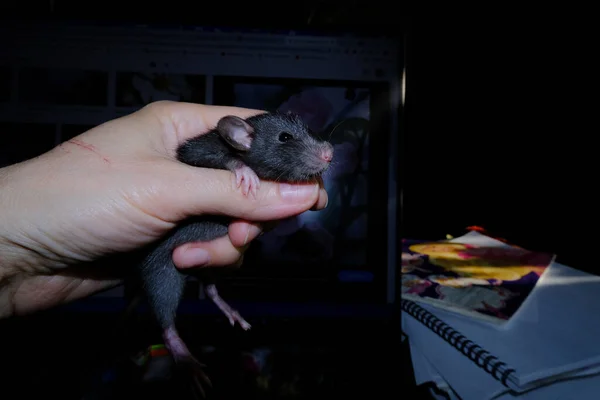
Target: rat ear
[236, 131]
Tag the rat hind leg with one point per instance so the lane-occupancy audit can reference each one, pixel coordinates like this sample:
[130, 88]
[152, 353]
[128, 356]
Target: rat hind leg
[177, 347]
[230, 313]
[164, 286]
[185, 360]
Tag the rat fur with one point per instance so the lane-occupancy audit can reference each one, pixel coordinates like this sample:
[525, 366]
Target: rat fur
[269, 146]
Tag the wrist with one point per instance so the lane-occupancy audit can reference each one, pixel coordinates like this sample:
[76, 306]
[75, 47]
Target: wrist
[8, 252]
[13, 254]
[24, 247]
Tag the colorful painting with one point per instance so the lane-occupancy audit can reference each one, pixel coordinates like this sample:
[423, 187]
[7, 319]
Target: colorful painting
[489, 282]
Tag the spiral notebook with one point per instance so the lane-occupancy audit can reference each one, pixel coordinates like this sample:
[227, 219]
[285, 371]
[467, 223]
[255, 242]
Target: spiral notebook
[554, 338]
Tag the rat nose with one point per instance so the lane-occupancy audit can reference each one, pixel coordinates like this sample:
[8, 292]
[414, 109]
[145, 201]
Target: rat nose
[327, 154]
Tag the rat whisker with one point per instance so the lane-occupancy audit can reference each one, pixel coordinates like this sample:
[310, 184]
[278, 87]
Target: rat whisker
[280, 175]
[335, 128]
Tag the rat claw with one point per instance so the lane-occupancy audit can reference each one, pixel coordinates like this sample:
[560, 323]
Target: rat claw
[198, 386]
[185, 360]
[247, 180]
[201, 375]
[255, 185]
[235, 316]
[200, 379]
[236, 182]
[231, 314]
[245, 325]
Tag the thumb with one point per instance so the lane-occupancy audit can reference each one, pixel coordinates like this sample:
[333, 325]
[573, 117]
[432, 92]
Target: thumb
[199, 191]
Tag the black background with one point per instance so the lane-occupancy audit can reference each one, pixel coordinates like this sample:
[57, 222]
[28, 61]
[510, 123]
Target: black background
[498, 122]
[498, 131]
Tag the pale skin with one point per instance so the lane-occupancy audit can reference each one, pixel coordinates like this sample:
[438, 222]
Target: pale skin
[116, 188]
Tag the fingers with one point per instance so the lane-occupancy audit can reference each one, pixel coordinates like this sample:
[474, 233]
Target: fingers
[241, 233]
[225, 251]
[197, 191]
[216, 253]
[323, 197]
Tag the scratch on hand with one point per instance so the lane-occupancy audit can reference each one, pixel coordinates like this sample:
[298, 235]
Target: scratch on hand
[88, 147]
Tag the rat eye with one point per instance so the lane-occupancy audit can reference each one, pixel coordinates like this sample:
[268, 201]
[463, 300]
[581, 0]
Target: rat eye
[284, 137]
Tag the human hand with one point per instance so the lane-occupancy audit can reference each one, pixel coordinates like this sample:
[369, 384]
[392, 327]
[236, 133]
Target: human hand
[114, 189]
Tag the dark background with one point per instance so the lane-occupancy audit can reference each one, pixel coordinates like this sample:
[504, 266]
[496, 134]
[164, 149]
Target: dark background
[497, 126]
[496, 112]
[500, 105]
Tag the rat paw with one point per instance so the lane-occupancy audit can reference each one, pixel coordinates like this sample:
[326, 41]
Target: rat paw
[234, 317]
[247, 180]
[194, 370]
[199, 379]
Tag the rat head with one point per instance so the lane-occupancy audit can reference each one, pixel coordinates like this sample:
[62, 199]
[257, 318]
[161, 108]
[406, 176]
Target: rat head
[278, 146]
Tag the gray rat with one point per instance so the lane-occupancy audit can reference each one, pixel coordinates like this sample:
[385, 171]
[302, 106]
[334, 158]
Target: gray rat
[269, 146]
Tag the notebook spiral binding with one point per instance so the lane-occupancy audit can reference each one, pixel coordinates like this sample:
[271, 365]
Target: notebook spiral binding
[483, 358]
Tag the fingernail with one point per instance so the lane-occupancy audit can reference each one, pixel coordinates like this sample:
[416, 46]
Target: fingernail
[322, 192]
[297, 192]
[253, 232]
[195, 256]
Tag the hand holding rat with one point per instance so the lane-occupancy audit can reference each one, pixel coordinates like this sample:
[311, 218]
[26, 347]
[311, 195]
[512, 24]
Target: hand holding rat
[116, 188]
